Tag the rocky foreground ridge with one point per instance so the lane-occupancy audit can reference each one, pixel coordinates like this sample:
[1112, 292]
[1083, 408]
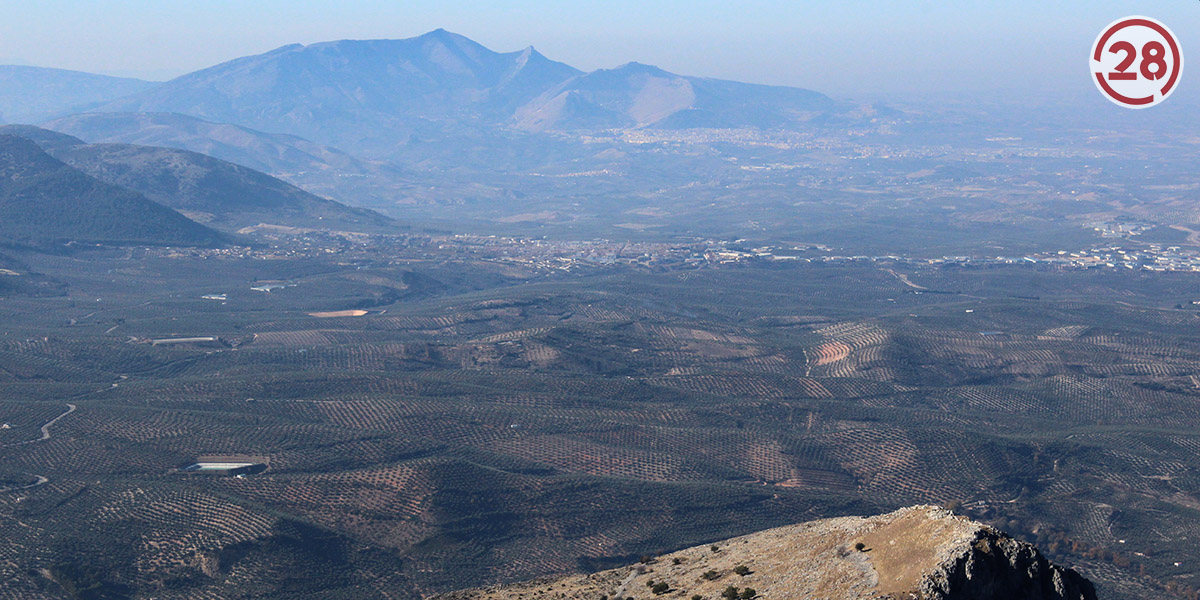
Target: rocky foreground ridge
[922, 552]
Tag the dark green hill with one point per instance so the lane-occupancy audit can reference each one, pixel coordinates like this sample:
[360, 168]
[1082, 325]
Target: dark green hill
[213, 191]
[44, 201]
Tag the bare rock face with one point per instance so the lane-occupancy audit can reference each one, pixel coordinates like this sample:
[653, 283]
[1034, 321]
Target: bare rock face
[997, 566]
[917, 553]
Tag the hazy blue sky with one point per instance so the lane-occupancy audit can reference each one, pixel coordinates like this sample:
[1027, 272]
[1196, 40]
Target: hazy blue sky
[846, 47]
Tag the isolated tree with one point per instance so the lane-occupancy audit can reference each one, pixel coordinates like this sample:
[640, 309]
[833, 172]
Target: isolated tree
[742, 570]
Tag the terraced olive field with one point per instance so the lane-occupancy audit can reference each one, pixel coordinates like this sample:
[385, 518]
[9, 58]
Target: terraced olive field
[483, 423]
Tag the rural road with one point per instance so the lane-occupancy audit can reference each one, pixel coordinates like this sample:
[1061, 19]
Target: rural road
[45, 436]
[45, 429]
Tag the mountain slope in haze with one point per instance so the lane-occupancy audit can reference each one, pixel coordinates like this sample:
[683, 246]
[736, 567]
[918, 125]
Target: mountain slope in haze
[44, 201]
[209, 190]
[33, 94]
[361, 95]
[273, 153]
[320, 169]
[49, 141]
[637, 95]
[919, 552]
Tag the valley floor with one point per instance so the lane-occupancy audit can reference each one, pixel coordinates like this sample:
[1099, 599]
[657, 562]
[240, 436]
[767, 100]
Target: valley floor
[430, 425]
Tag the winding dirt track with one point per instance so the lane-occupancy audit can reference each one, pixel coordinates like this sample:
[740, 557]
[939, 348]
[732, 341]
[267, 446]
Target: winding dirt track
[45, 429]
[41, 480]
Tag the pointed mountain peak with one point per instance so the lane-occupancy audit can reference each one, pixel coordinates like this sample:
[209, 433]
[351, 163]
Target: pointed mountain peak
[530, 55]
[455, 43]
[444, 36]
[637, 67]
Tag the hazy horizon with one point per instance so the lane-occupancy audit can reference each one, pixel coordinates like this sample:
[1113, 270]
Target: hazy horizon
[842, 49]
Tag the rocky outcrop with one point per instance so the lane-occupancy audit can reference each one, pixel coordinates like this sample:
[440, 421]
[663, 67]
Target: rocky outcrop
[917, 553]
[996, 566]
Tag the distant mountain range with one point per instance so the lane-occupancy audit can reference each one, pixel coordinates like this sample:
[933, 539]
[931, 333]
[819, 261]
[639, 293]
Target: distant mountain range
[44, 201]
[360, 94]
[371, 97]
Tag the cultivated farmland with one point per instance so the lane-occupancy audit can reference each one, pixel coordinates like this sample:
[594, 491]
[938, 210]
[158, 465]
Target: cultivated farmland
[458, 431]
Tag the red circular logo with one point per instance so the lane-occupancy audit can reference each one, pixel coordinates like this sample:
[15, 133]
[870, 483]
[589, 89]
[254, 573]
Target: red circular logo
[1136, 62]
